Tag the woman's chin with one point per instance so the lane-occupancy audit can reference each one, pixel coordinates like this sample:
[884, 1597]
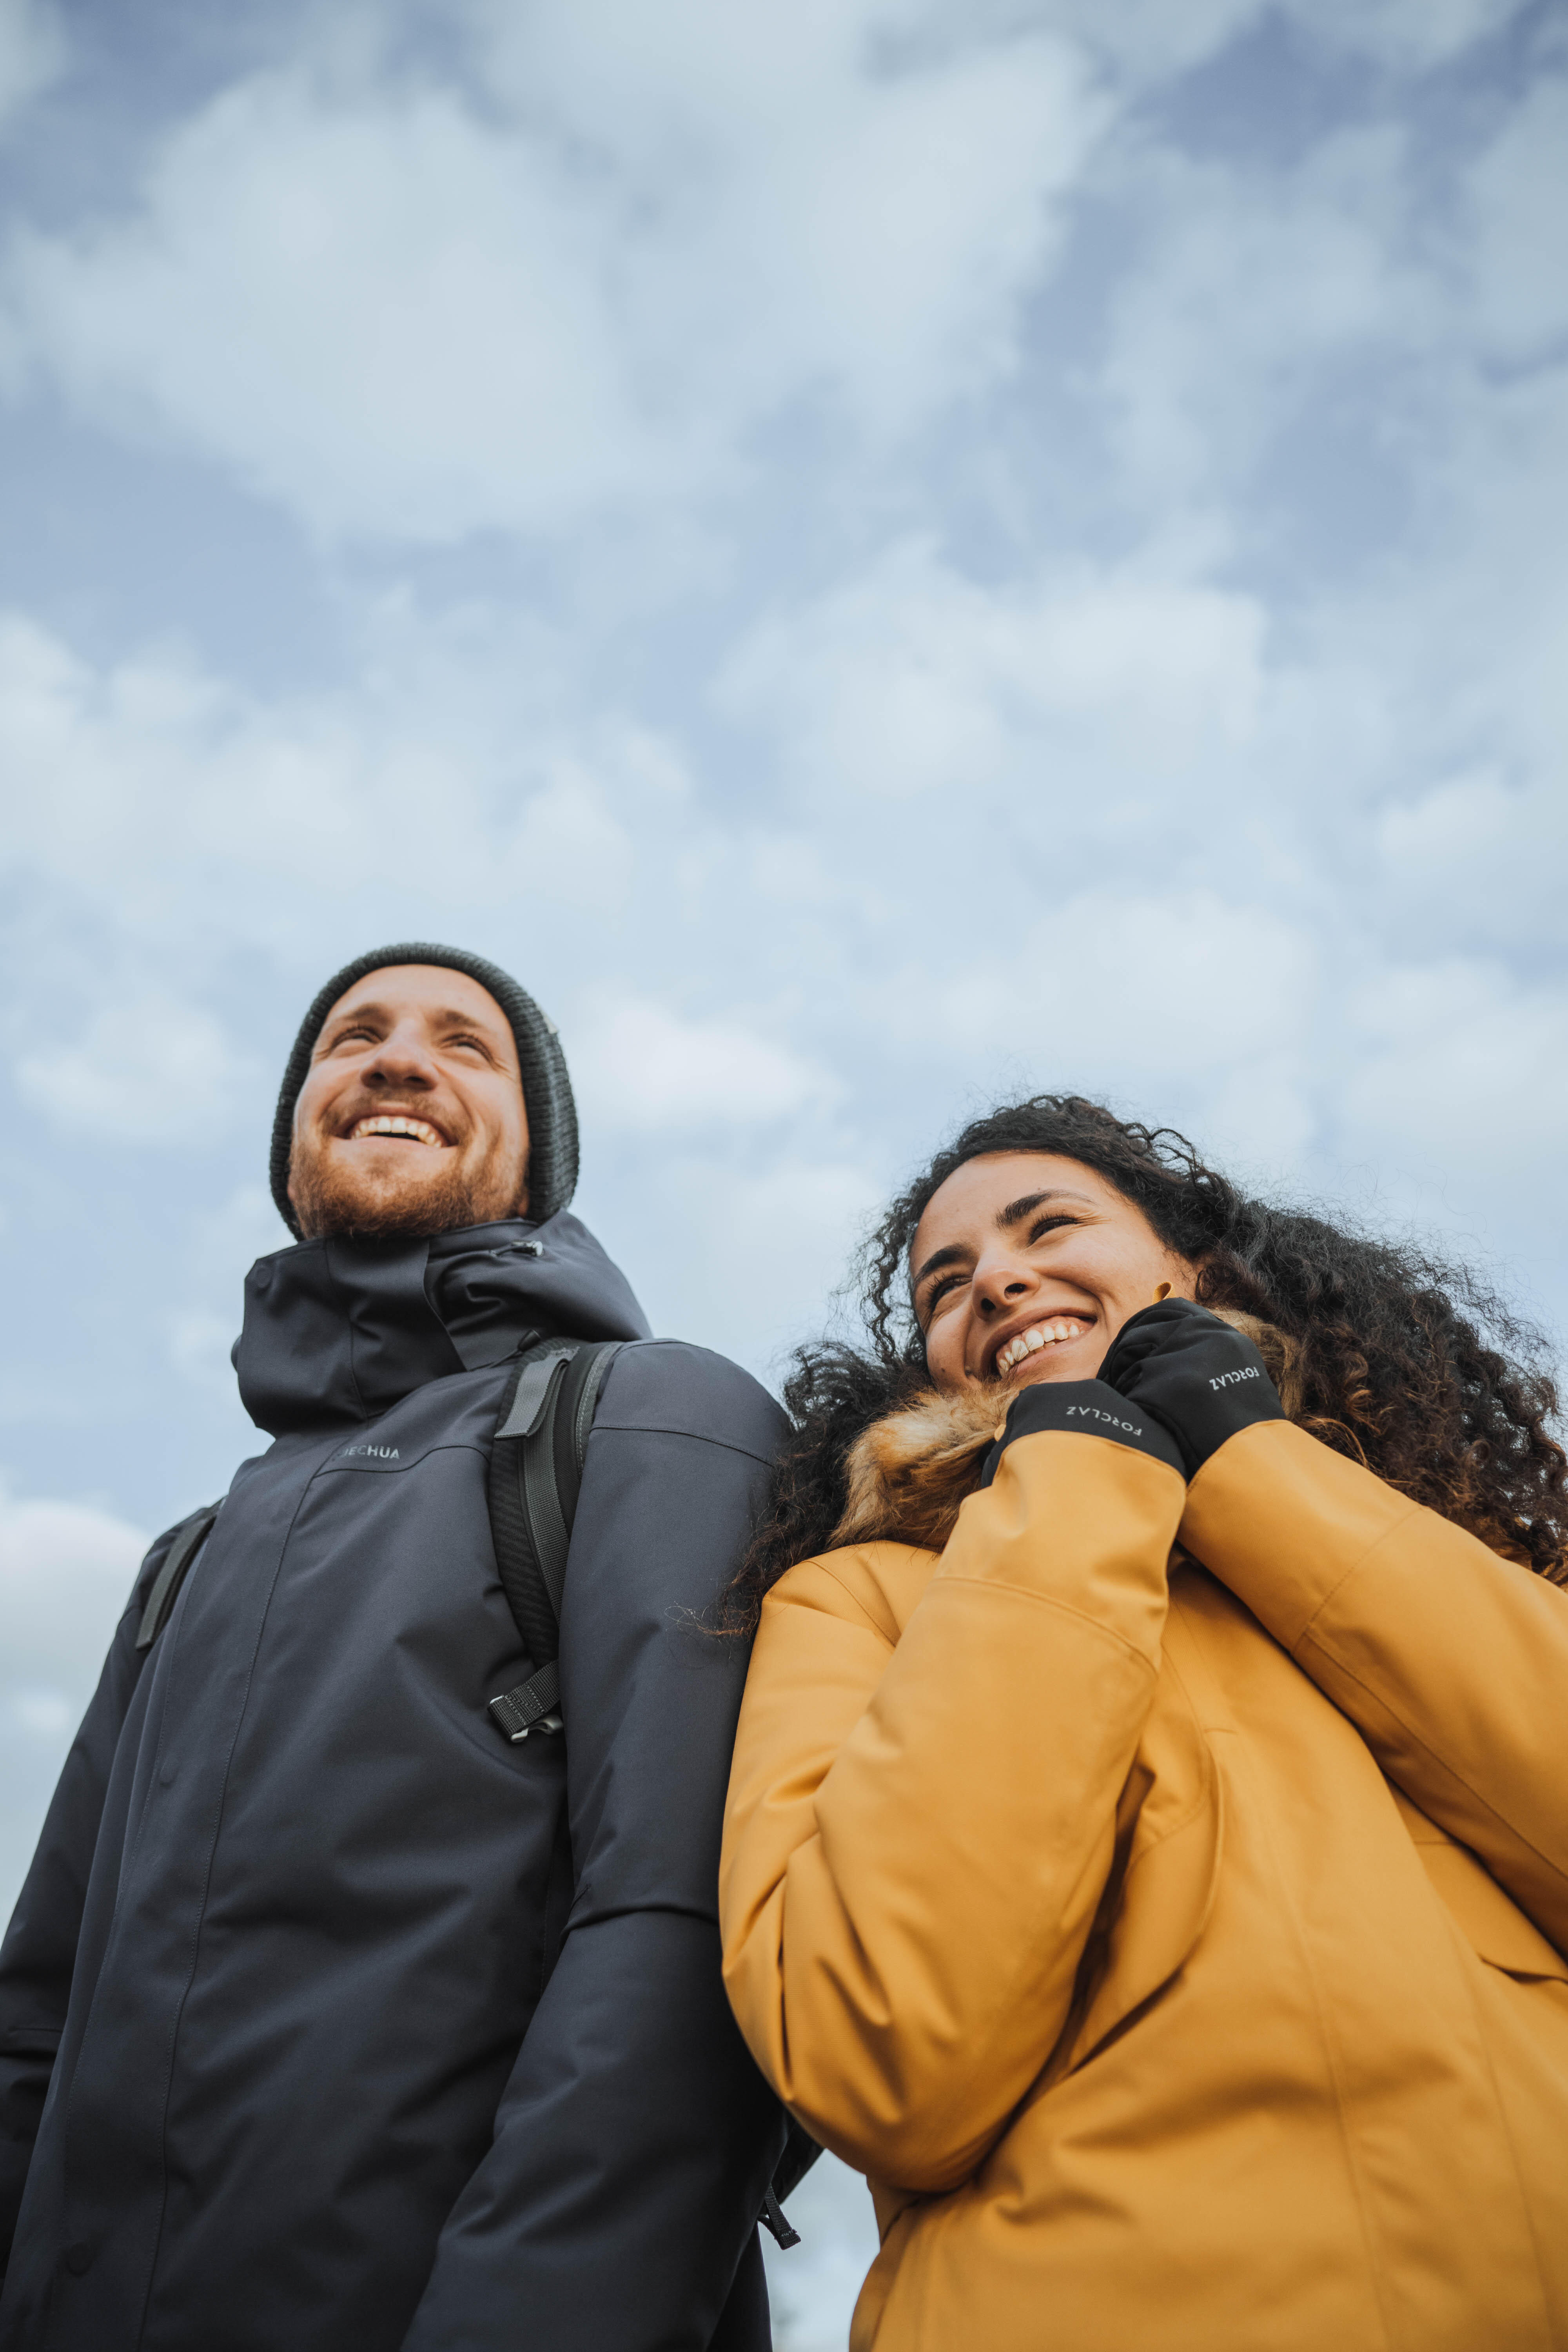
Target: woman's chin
[1073, 1362]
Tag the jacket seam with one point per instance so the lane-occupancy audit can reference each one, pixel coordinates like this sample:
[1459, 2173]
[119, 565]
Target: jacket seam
[1005, 2002]
[1336, 2073]
[341, 1303]
[1004, 2009]
[1354, 1569]
[697, 1437]
[1050, 1600]
[854, 1598]
[1427, 1750]
[1207, 1801]
[240, 1713]
[598, 1917]
[1500, 2109]
[330, 1468]
[1203, 1800]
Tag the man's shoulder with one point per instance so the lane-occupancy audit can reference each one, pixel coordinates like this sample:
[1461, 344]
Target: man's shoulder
[670, 1387]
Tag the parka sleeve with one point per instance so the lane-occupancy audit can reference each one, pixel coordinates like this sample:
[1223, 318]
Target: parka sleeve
[918, 1837]
[617, 2203]
[1450, 1661]
[38, 1958]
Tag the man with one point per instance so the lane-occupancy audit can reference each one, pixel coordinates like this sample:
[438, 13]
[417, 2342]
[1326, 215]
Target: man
[330, 2022]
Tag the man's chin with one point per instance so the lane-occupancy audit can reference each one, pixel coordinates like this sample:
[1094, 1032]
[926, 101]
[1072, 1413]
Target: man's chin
[333, 1198]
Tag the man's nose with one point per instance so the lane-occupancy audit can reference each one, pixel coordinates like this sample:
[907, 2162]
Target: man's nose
[999, 1281]
[403, 1059]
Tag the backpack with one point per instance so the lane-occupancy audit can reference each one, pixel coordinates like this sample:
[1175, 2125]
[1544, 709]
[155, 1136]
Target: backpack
[535, 1476]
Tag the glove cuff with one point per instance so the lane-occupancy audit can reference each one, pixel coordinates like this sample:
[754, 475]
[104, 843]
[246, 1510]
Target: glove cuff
[1194, 1372]
[1083, 1409]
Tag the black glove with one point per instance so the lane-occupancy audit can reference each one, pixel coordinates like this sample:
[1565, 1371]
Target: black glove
[1186, 1368]
[1086, 1407]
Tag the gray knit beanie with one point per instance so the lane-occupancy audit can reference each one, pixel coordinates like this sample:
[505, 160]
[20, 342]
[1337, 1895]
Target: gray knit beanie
[546, 1088]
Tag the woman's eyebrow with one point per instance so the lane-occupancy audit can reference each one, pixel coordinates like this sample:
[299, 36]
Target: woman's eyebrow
[955, 1254]
[1017, 1209]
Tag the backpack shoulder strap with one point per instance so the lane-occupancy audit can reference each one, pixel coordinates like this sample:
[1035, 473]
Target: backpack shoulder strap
[536, 1471]
[189, 1537]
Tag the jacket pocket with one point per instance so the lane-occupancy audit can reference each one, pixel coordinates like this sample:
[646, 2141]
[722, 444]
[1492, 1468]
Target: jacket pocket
[1158, 1905]
[1490, 1921]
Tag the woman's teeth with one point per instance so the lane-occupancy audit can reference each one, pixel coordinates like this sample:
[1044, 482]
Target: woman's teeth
[1038, 1336]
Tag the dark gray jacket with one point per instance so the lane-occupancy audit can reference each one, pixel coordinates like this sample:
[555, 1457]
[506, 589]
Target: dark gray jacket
[293, 2056]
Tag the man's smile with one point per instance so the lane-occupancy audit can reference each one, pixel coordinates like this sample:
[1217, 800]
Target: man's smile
[399, 1126]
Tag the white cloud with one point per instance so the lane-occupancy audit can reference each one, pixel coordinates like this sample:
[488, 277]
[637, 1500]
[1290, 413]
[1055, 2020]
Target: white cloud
[408, 319]
[1150, 1000]
[65, 1572]
[32, 52]
[743, 1258]
[1411, 35]
[640, 1066]
[199, 1345]
[1464, 1070]
[568, 841]
[149, 1070]
[133, 780]
[1518, 283]
[1252, 288]
[912, 679]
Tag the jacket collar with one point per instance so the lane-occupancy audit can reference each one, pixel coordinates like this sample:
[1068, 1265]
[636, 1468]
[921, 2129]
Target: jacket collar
[338, 1331]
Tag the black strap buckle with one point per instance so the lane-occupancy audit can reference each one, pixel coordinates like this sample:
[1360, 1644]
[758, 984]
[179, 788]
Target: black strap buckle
[532, 1706]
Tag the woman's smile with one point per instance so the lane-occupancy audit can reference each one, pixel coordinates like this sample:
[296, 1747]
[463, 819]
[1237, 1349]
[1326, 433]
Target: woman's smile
[1054, 1332]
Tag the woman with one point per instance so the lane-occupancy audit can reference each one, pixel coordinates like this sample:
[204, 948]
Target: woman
[1147, 1848]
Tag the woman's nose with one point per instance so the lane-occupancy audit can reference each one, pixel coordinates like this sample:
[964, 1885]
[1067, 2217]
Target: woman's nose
[999, 1282]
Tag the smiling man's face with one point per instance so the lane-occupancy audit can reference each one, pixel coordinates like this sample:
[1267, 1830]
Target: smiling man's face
[411, 1119]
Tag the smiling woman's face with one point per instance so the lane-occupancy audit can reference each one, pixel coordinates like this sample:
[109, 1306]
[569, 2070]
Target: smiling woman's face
[1026, 1267]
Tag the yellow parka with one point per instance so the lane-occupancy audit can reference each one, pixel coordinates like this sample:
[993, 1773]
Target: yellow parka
[1177, 1948]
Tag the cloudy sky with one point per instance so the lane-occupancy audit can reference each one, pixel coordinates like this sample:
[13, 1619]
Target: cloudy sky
[875, 551]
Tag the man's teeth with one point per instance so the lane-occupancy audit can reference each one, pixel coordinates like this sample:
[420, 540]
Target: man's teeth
[392, 1123]
[1038, 1336]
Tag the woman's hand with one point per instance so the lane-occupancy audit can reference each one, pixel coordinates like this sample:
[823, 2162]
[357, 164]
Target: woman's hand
[1194, 1373]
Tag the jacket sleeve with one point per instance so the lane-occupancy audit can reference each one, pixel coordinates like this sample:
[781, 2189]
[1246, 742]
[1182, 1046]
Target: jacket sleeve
[918, 1838]
[38, 1957]
[634, 2140]
[1450, 1661]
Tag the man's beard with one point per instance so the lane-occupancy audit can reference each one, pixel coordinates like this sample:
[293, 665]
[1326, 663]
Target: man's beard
[331, 1198]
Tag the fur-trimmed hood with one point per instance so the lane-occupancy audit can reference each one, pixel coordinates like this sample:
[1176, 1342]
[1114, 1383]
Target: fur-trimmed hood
[908, 1473]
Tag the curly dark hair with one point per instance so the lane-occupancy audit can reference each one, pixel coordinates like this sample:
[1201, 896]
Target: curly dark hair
[1403, 1360]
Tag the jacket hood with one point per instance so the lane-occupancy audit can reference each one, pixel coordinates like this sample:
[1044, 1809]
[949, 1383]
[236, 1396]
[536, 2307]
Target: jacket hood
[906, 1474]
[338, 1331]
